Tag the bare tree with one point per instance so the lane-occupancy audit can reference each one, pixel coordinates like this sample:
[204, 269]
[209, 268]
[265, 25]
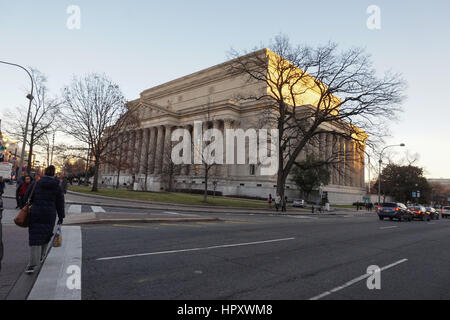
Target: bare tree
[206, 158]
[95, 114]
[310, 91]
[170, 169]
[117, 158]
[44, 110]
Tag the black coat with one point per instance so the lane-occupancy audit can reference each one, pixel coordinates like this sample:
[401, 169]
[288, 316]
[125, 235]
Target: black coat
[20, 202]
[47, 201]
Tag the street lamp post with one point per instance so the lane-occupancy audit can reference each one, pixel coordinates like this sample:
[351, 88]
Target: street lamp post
[30, 98]
[379, 168]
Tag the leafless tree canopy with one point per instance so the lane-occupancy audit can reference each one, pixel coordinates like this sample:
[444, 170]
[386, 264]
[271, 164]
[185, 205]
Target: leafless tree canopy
[44, 110]
[319, 90]
[95, 114]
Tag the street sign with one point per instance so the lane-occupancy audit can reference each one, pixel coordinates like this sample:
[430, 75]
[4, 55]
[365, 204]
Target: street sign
[414, 195]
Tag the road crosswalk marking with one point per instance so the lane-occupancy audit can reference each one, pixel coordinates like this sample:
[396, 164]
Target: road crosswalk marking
[75, 208]
[97, 209]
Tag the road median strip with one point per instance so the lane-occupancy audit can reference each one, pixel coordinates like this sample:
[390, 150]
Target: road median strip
[94, 218]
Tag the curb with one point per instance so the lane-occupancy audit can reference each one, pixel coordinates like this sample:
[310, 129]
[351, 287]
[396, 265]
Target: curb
[139, 220]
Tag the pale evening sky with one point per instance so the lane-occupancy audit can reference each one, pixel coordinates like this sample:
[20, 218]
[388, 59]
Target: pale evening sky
[140, 44]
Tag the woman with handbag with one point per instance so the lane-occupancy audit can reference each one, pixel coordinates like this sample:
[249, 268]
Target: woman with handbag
[47, 201]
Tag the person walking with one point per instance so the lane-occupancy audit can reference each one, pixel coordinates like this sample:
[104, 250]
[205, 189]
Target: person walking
[64, 183]
[47, 201]
[21, 190]
[277, 202]
[284, 203]
[2, 186]
[270, 200]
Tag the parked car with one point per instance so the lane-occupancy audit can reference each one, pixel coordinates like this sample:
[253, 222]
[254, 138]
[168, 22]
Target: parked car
[394, 210]
[419, 212]
[298, 203]
[445, 211]
[434, 214]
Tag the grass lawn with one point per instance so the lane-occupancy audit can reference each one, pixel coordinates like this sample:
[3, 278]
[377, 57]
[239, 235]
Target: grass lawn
[175, 198]
[345, 206]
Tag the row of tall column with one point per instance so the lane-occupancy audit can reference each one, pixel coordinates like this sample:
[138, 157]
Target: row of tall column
[348, 159]
[149, 151]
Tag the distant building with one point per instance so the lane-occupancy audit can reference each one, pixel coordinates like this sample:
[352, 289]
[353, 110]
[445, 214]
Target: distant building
[444, 182]
[178, 103]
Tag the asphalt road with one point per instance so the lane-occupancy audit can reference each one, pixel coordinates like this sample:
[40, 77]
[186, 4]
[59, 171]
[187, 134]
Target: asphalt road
[267, 257]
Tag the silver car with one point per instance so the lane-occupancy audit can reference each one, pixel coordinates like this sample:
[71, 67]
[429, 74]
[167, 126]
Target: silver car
[299, 203]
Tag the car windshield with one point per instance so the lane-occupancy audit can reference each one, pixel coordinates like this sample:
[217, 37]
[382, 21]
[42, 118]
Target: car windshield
[389, 205]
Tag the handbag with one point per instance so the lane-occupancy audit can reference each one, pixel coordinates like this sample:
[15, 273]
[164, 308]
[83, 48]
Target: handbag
[23, 217]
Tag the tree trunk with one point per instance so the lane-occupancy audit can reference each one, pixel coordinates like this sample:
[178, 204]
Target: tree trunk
[145, 180]
[87, 166]
[280, 174]
[95, 183]
[171, 179]
[118, 178]
[30, 155]
[205, 196]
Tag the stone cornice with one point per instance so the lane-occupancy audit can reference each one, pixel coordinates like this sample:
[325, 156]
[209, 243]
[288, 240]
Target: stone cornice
[197, 79]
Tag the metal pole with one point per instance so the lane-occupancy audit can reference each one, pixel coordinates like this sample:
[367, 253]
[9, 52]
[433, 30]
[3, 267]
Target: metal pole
[379, 180]
[379, 168]
[53, 148]
[30, 97]
[368, 171]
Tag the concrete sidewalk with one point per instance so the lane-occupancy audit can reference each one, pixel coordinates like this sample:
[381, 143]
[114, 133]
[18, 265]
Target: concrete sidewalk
[14, 249]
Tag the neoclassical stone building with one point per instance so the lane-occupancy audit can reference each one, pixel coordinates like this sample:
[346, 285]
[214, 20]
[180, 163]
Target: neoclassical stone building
[213, 96]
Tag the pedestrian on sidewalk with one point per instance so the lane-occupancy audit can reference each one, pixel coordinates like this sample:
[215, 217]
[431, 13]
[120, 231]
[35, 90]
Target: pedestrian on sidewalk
[64, 182]
[2, 186]
[270, 200]
[284, 203]
[277, 202]
[21, 190]
[47, 201]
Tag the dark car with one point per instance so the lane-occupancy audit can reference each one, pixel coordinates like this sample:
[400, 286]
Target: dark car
[445, 211]
[434, 214]
[394, 210]
[420, 213]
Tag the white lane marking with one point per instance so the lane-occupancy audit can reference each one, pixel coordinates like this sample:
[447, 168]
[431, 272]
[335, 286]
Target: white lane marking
[351, 282]
[61, 271]
[391, 227]
[302, 217]
[178, 214]
[431, 223]
[75, 208]
[195, 249]
[97, 209]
